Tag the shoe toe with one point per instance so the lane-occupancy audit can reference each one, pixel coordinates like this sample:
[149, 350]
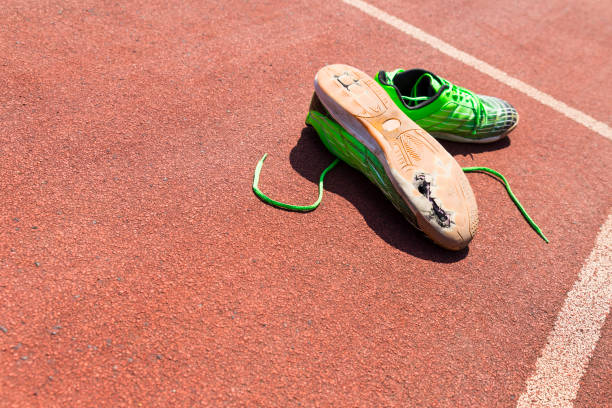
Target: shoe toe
[444, 203]
[501, 116]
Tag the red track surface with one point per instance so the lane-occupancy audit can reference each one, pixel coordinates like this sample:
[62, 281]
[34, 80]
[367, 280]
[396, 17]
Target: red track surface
[137, 267]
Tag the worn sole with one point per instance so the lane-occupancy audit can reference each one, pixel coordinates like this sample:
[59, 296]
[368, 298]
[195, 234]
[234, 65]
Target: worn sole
[425, 175]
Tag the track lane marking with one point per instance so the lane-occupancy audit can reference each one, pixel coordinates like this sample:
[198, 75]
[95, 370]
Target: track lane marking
[576, 332]
[578, 116]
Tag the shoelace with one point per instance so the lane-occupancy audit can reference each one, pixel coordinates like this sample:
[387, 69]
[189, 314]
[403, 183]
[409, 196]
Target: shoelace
[475, 101]
[511, 194]
[306, 208]
[291, 207]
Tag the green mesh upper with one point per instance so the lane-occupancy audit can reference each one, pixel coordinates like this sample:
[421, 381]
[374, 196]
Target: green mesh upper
[455, 110]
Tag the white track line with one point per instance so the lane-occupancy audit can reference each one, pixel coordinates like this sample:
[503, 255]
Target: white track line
[574, 114]
[576, 332]
[578, 326]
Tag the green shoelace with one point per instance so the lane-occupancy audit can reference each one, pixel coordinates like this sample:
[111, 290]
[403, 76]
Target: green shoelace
[290, 207]
[511, 194]
[306, 208]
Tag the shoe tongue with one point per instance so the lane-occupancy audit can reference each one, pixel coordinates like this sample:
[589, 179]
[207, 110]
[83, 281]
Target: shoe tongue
[426, 85]
[415, 83]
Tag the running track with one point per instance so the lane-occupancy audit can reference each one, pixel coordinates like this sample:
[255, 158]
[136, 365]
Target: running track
[138, 269]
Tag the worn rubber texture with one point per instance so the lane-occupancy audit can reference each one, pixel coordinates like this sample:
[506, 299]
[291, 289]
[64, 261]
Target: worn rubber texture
[426, 176]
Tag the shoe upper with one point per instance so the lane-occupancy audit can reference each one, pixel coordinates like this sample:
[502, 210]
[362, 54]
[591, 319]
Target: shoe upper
[441, 107]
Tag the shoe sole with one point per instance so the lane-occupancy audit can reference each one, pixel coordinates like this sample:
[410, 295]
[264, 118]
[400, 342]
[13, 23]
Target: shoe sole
[424, 174]
[454, 138]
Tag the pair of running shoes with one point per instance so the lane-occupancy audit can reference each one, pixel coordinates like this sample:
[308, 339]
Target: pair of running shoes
[386, 126]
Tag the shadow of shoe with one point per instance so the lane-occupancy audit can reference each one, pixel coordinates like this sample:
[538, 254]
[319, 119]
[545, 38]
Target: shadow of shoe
[309, 157]
[467, 149]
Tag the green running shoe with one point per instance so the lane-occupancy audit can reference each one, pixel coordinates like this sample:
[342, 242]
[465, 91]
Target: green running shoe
[448, 111]
[361, 125]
